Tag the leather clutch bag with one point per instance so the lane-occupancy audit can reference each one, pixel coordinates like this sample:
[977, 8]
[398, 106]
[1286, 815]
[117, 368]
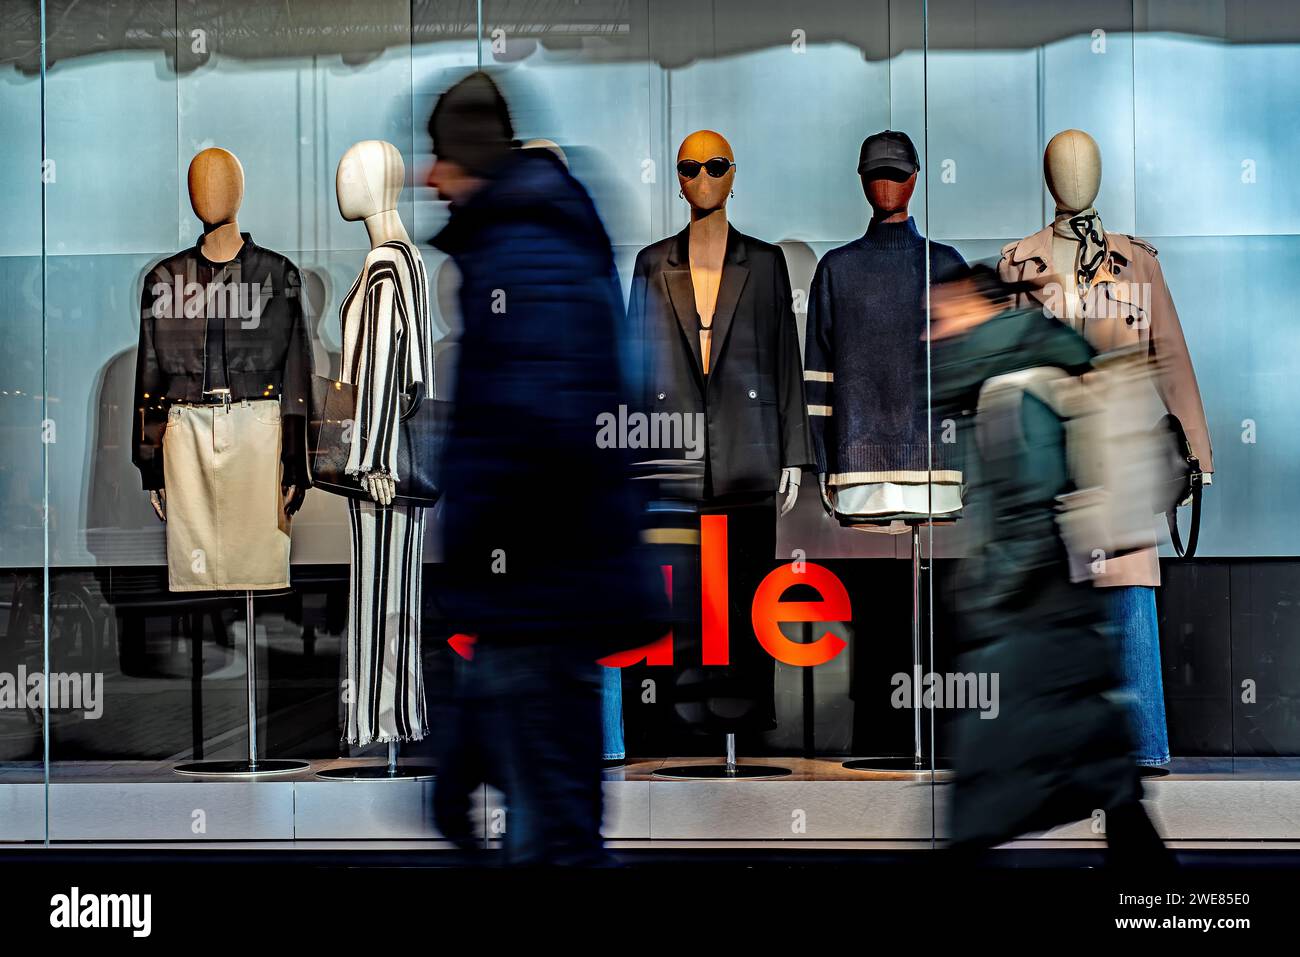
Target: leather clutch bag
[421, 431]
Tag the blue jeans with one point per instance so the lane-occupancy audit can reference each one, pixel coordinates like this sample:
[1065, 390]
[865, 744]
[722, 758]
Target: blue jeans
[1133, 612]
[611, 712]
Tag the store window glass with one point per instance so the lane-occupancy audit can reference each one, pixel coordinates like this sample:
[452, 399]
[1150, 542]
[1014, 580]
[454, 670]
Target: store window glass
[202, 202]
[1124, 130]
[22, 391]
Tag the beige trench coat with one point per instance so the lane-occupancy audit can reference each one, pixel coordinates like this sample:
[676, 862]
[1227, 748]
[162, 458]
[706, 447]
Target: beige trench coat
[1127, 303]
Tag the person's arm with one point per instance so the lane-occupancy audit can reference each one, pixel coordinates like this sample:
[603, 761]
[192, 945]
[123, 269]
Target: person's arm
[150, 418]
[295, 397]
[641, 344]
[373, 456]
[1175, 377]
[796, 440]
[819, 373]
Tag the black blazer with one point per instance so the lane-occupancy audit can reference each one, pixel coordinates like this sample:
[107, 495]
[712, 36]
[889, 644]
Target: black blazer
[755, 415]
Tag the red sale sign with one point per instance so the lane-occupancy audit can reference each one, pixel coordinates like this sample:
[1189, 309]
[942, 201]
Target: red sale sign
[766, 613]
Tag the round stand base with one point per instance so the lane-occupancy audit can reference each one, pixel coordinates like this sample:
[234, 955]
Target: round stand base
[720, 772]
[896, 764]
[380, 772]
[241, 768]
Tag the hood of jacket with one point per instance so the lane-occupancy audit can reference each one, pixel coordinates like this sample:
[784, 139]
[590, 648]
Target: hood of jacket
[1010, 341]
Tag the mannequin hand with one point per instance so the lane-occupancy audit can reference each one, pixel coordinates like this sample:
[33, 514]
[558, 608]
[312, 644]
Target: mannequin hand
[826, 495]
[293, 497]
[380, 487]
[1207, 479]
[790, 488]
[158, 499]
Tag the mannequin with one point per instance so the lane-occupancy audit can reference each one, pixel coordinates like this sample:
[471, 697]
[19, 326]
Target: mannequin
[1072, 171]
[223, 377]
[216, 187]
[713, 309]
[878, 467]
[882, 464]
[222, 323]
[1110, 287]
[708, 197]
[388, 302]
[216, 184]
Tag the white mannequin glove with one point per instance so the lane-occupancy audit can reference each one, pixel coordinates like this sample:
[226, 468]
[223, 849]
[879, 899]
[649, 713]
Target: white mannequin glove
[790, 488]
[379, 486]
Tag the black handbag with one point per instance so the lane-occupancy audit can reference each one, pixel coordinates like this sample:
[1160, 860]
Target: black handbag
[1186, 482]
[422, 428]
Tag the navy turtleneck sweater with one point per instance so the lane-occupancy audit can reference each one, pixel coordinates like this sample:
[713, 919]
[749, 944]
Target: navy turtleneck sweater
[864, 360]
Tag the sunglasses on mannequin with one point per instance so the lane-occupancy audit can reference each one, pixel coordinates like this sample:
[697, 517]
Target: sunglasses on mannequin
[716, 167]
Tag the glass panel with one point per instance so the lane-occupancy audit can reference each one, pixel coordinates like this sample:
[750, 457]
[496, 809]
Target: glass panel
[1189, 106]
[133, 100]
[1214, 83]
[22, 414]
[1183, 103]
[112, 129]
[1001, 85]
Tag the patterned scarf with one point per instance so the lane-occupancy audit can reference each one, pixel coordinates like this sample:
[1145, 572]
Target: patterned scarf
[1086, 226]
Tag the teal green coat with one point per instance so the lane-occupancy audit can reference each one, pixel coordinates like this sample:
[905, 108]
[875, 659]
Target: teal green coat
[1059, 749]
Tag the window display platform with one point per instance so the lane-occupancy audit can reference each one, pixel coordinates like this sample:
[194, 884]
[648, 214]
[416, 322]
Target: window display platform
[1202, 800]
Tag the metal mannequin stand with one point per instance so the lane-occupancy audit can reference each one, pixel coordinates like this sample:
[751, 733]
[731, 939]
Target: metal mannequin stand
[728, 770]
[914, 762]
[253, 765]
[392, 771]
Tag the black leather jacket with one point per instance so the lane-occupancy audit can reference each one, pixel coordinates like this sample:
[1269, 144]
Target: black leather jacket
[206, 325]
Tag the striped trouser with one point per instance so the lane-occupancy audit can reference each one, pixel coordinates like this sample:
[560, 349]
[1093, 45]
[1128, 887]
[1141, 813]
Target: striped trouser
[384, 687]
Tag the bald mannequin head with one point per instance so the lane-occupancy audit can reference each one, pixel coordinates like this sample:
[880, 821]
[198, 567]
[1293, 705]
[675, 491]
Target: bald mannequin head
[1072, 170]
[703, 192]
[216, 183]
[369, 179]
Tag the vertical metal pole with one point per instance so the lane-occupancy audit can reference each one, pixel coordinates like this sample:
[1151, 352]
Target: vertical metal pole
[392, 759]
[731, 754]
[250, 651]
[45, 446]
[809, 703]
[916, 644]
[196, 683]
[478, 46]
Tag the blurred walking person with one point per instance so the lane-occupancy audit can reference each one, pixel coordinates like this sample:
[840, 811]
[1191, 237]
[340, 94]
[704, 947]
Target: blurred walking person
[1059, 749]
[540, 526]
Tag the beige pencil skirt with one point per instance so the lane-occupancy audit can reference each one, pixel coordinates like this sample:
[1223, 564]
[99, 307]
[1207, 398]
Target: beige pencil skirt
[226, 526]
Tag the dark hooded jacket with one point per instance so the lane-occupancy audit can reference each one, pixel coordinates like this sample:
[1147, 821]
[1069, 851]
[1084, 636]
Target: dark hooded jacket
[541, 524]
[1059, 748]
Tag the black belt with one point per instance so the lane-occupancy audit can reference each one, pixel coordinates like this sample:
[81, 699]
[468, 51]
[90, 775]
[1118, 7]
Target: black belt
[221, 397]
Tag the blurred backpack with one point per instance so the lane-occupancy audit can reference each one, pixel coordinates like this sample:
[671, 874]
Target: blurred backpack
[1127, 457]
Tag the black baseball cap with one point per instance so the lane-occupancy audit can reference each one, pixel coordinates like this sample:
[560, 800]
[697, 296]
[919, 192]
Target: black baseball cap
[888, 150]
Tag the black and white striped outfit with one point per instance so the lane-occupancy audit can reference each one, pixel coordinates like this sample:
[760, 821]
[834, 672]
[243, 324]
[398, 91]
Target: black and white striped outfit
[387, 348]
